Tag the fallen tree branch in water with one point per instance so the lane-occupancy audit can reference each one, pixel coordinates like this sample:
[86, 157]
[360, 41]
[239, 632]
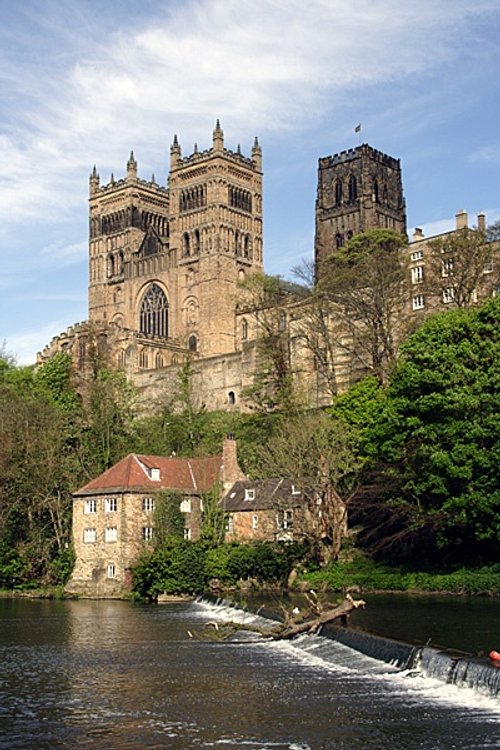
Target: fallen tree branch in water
[294, 624]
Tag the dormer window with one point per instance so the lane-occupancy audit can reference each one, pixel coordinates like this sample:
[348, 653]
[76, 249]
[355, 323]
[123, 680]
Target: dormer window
[249, 494]
[154, 475]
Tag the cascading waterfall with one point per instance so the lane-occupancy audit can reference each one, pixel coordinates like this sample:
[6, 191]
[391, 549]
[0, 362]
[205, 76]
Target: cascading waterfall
[336, 645]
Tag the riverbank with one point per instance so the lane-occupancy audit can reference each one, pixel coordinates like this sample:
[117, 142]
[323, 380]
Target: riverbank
[364, 576]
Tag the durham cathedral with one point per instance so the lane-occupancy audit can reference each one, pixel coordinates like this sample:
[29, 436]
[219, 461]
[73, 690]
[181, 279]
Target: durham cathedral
[166, 266]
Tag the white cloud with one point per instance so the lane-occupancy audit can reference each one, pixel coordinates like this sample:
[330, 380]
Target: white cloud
[23, 344]
[485, 154]
[271, 65]
[65, 255]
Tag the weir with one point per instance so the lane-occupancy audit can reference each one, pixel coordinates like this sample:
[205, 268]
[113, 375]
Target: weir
[336, 645]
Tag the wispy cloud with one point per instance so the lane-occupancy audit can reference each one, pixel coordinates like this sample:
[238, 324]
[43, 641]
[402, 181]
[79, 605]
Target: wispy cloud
[485, 154]
[65, 255]
[25, 343]
[279, 65]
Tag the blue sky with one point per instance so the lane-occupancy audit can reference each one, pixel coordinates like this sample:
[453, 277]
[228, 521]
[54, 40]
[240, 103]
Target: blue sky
[84, 81]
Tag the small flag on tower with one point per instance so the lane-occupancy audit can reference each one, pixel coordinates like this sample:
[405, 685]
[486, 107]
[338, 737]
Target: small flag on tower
[357, 129]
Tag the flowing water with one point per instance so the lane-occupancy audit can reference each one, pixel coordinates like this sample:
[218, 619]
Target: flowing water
[115, 676]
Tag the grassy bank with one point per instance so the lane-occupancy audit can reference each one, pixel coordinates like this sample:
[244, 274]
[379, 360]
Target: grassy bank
[366, 576]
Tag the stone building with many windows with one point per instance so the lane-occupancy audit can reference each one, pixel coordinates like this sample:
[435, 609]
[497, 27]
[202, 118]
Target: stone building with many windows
[114, 514]
[165, 266]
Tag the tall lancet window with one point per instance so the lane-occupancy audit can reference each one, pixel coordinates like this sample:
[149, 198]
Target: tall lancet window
[154, 312]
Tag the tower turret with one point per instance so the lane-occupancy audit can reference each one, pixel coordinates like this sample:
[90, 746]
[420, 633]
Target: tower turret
[257, 154]
[131, 167]
[175, 153]
[218, 137]
[94, 181]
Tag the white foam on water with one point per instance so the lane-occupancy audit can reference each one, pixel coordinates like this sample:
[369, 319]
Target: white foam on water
[412, 685]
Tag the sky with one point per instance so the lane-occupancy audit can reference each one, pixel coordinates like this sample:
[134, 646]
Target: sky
[85, 81]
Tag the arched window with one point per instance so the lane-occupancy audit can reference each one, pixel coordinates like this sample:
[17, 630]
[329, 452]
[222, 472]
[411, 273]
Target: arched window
[375, 190]
[185, 244]
[338, 193]
[193, 343]
[339, 240]
[159, 361]
[121, 359]
[196, 242]
[154, 312]
[349, 235]
[231, 398]
[353, 189]
[244, 330]
[143, 359]
[282, 320]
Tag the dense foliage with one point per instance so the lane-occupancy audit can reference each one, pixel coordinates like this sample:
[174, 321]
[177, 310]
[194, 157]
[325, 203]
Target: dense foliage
[177, 566]
[414, 462]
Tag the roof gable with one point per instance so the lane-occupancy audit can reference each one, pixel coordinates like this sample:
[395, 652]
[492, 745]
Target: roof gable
[149, 473]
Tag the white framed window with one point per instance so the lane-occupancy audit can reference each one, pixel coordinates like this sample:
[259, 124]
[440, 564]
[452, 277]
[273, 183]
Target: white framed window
[284, 519]
[417, 274]
[488, 265]
[110, 534]
[250, 494]
[417, 255]
[230, 523]
[147, 533]
[90, 506]
[255, 521]
[148, 504]
[185, 506]
[187, 535]
[447, 267]
[418, 302]
[154, 475]
[110, 505]
[448, 295]
[89, 536]
[111, 570]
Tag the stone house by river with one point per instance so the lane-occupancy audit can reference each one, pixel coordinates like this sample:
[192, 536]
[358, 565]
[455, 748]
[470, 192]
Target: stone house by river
[267, 510]
[113, 515]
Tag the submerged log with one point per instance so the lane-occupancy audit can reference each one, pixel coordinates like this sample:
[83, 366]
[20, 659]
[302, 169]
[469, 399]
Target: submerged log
[291, 626]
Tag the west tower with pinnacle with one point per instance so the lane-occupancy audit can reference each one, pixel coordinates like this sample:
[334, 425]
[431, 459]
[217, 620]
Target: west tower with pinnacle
[164, 262]
[358, 189]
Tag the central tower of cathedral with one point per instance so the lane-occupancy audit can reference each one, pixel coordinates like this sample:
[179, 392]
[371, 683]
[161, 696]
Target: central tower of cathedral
[358, 189]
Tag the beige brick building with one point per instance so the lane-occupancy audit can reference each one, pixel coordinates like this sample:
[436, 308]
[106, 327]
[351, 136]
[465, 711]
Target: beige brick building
[114, 514]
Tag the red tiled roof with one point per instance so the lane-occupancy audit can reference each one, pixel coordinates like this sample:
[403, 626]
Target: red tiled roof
[134, 472]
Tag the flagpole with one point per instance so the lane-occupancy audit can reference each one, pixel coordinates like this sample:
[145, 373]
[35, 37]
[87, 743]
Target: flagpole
[357, 130]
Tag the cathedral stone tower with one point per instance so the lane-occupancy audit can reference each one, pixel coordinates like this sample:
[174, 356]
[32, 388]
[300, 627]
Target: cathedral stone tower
[216, 228]
[357, 189]
[164, 262]
[128, 244]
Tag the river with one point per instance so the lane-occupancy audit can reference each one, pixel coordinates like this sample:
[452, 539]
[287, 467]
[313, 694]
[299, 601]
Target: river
[116, 676]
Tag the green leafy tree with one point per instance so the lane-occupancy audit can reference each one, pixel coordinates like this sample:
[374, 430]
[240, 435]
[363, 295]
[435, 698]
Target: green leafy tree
[438, 441]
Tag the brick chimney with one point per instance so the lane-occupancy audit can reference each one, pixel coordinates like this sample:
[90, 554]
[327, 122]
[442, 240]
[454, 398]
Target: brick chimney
[417, 234]
[481, 222]
[231, 472]
[462, 221]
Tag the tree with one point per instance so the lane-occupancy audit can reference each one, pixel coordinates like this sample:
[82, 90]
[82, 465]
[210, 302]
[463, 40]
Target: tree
[265, 298]
[439, 441]
[493, 232]
[460, 266]
[366, 285]
[318, 454]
